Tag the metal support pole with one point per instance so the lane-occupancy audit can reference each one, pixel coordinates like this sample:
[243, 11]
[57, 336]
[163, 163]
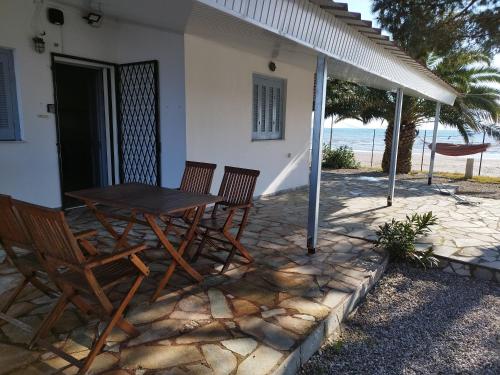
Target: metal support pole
[316, 153]
[395, 145]
[373, 148]
[434, 137]
[331, 134]
[423, 151]
[481, 160]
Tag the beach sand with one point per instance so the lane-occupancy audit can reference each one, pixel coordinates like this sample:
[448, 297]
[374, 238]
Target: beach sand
[490, 167]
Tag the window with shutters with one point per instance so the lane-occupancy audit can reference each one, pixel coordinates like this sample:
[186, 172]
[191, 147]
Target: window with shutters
[268, 108]
[9, 118]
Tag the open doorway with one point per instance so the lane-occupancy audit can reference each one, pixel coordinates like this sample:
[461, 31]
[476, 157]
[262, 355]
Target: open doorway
[108, 123]
[82, 128]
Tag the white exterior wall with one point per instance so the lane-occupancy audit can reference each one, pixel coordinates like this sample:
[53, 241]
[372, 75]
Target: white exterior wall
[219, 113]
[29, 169]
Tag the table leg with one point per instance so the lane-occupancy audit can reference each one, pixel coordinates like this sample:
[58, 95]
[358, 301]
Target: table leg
[120, 238]
[176, 254]
[188, 238]
[122, 241]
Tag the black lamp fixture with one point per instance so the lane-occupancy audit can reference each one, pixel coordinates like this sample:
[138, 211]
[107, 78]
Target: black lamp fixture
[93, 19]
[272, 66]
[39, 43]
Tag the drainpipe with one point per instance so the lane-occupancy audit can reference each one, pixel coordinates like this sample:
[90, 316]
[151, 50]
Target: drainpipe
[434, 136]
[395, 144]
[316, 153]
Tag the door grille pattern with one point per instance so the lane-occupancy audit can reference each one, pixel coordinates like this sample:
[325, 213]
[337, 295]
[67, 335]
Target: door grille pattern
[138, 122]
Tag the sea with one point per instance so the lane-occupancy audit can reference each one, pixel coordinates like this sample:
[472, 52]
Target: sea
[363, 139]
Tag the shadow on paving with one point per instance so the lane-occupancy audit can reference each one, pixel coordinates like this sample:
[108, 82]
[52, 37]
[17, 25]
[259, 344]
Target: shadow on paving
[250, 319]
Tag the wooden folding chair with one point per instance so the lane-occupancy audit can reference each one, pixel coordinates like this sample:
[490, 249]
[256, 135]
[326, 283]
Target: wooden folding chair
[197, 179]
[237, 188]
[13, 235]
[85, 282]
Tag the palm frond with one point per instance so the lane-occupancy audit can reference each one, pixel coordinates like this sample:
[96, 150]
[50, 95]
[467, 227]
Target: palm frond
[470, 73]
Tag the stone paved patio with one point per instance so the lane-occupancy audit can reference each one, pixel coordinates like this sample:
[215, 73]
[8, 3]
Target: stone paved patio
[467, 238]
[268, 317]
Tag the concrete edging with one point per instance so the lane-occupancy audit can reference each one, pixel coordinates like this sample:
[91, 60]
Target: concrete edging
[460, 268]
[329, 325]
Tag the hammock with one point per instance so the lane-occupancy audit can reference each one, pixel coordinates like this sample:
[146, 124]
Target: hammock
[450, 149]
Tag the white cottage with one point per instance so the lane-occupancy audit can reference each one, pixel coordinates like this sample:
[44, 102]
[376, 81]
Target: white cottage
[124, 90]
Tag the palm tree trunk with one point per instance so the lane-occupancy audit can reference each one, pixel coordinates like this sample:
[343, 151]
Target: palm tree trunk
[406, 139]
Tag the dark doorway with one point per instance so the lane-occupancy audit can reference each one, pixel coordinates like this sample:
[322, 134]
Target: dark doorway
[81, 128]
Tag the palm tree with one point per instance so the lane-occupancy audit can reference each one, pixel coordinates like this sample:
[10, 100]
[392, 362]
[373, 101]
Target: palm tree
[475, 110]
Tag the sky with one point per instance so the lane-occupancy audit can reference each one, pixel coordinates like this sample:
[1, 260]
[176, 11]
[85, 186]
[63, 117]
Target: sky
[364, 7]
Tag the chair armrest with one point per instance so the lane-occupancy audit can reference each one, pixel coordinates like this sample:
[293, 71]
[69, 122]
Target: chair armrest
[85, 233]
[82, 238]
[108, 258]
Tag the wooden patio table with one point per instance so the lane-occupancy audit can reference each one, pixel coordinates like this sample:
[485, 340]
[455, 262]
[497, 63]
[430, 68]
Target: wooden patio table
[152, 202]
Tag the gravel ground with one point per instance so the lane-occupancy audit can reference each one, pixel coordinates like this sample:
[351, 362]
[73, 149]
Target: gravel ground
[418, 322]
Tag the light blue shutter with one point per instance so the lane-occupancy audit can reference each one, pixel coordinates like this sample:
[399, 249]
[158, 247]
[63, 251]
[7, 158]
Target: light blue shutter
[263, 108]
[267, 110]
[255, 117]
[272, 108]
[275, 108]
[9, 120]
[279, 110]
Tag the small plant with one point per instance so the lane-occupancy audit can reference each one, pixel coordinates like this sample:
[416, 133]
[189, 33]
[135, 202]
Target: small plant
[398, 239]
[339, 158]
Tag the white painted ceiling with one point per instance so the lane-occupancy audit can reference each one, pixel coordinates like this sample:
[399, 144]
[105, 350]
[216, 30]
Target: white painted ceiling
[163, 14]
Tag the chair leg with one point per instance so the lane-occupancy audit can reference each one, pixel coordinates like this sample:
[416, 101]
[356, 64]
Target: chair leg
[237, 244]
[128, 327]
[200, 247]
[190, 243]
[229, 259]
[117, 316]
[169, 225]
[81, 304]
[50, 320]
[14, 295]
[43, 287]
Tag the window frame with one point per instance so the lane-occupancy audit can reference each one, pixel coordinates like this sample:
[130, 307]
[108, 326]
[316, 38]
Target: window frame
[13, 130]
[271, 84]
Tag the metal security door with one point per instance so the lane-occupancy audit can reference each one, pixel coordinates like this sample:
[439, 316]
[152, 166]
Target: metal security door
[138, 122]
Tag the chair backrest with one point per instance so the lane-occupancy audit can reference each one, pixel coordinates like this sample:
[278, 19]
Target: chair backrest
[197, 177]
[12, 229]
[238, 185]
[50, 233]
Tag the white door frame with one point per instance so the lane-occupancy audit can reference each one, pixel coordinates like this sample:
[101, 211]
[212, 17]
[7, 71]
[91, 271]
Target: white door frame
[110, 110]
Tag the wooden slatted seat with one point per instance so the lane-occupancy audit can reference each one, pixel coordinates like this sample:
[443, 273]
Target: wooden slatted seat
[237, 188]
[107, 275]
[13, 235]
[63, 259]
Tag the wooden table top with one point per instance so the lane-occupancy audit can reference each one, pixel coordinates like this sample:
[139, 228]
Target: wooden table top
[144, 198]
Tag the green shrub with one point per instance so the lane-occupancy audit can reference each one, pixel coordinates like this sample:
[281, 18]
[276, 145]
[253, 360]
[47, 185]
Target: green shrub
[339, 158]
[398, 239]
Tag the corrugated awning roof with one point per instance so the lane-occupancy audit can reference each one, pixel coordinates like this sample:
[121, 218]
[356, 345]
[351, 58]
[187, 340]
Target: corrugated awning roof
[354, 20]
[358, 52]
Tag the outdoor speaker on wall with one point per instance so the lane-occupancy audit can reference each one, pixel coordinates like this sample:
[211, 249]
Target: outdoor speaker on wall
[55, 16]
